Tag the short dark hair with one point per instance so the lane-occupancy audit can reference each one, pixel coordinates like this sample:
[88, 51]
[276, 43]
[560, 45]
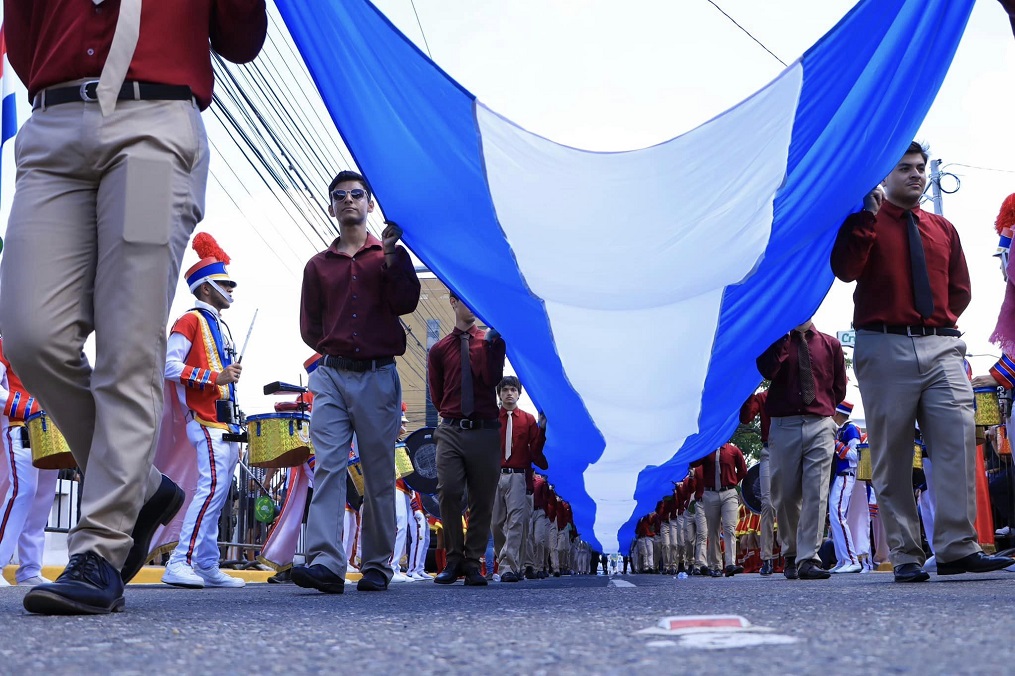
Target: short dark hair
[917, 148]
[346, 176]
[453, 296]
[509, 381]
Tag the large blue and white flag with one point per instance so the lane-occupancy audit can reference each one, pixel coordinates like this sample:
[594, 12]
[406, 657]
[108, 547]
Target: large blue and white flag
[640, 353]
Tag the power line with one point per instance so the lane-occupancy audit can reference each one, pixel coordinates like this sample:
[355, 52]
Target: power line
[970, 166]
[749, 34]
[425, 43]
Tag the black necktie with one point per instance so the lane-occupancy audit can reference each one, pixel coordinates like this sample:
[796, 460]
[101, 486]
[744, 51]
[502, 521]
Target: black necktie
[923, 299]
[806, 374]
[468, 402]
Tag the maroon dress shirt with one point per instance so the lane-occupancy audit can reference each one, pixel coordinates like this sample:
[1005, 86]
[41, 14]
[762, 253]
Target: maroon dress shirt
[54, 41]
[351, 304]
[540, 492]
[732, 468]
[753, 407]
[780, 363]
[527, 440]
[874, 251]
[444, 373]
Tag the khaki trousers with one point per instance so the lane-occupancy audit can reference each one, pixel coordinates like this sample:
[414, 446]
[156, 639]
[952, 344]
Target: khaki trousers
[528, 555]
[564, 547]
[700, 533]
[721, 511]
[509, 517]
[905, 380]
[103, 210]
[366, 404]
[551, 545]
[767, 508]
[467, 459]
[540, 532]
[801, 449]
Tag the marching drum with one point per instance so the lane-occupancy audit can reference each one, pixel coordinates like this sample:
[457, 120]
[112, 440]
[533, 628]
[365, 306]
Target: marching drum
[422, 450]
[356, 474]
[865, 469]
[49, 448]
[403, 465]
[279, 439]
[751, 488]
[986, 406]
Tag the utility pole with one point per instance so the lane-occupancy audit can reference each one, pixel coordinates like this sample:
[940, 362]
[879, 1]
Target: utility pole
[935, 186]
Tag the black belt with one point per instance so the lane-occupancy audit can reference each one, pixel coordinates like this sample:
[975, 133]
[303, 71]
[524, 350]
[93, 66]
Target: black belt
[511, 470]
[130, 91]
[912, 331]
[360, 365]
[846, 474]
[466, 424]
[724, 488]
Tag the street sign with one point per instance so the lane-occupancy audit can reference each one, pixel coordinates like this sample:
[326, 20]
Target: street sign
[847, 338]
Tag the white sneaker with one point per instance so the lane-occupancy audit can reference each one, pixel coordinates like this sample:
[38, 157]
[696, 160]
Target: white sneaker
[182, 575]
[423, 576]
[33, 581]
[214, 577]
[496, 577]
[4, 582]
[930, 565]
[401, 577]
[1002, 532]
[848, 568]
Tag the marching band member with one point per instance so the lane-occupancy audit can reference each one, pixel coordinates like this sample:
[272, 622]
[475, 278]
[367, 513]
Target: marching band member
[28, 499]
[753, 408]
[199, 361]
[419, 540]
[841, 492]
[722, 471]
[540, 524]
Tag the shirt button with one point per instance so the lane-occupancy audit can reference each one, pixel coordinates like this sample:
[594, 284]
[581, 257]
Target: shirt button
[354, 315]
[91, 52]
[354, 333]
[354, 296]
[357, 349]
[354, 276]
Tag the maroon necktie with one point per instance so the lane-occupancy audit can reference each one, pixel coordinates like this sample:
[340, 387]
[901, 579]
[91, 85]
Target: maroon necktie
[468, 400]
[806, 374]
[923, 299]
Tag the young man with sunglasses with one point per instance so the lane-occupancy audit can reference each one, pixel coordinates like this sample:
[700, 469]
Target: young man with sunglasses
[353, 294]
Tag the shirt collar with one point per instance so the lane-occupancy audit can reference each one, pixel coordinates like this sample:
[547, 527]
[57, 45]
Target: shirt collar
[897, 212]
[473, 331]
[370, 243]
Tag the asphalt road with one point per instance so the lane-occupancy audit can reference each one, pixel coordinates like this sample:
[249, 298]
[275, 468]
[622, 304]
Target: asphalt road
[852, 624]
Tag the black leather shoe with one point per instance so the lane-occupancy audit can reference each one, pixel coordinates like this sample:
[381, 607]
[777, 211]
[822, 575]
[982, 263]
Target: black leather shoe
[789, 570]
[703, 570]
[808, 570]
[715, 573]
[372, 580]
[449, 575]
[473, 578]
[766, 568]
[510, 577]
[89, 585]
[317, 577]
[911, 572]
[281, 577]
[159, 510]
[730, 571]
[530, 573]
[974, 563]
[541, 575]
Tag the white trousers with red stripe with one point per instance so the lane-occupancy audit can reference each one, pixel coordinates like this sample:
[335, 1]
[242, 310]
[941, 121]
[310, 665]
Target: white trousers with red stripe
[419, 540]
[402, 511]
[838, 505]
[216, 462]
[26, 504]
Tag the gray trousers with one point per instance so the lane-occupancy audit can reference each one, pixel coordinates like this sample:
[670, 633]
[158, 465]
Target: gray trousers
[369, 405]
[905, 380]
[467, 459]
[767, 508]
[801, 449]
[510, 515]
[103, 210]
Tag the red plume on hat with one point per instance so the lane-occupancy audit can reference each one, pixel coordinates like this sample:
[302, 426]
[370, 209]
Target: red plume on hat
[206, 247]
[1006, 217]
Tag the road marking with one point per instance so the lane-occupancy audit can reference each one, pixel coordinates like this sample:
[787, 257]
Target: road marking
[712, 632]
[621, 583]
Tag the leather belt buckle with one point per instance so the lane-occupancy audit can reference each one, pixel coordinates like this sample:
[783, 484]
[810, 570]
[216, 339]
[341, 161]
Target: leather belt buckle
[466, 424]
[83, 91]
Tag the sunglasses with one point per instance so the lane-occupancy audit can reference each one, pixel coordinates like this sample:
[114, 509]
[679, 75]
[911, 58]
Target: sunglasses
[340, 195]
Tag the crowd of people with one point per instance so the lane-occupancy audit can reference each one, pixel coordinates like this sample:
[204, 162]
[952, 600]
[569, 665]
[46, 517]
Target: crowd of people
[112, 169]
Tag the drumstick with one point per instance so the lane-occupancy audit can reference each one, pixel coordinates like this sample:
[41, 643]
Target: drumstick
[247, 339]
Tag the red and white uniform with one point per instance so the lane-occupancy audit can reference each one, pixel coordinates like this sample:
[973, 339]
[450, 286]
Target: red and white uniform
[419, 538]
[27, 492]
[193, 364]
